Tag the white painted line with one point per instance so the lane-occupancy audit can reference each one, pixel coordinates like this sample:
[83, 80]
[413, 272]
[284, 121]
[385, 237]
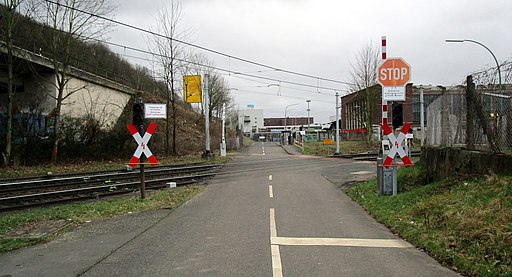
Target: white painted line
[273, 230]
[270, 192]
[270, 177]
[362, 172]
[384, 243]
[277, 269]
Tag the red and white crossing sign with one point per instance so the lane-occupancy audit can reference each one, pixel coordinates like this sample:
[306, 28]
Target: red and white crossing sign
[142, 145]
[396, 145]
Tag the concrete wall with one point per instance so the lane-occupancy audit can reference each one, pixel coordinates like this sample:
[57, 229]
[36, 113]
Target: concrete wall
[104, 103]
[444, 162]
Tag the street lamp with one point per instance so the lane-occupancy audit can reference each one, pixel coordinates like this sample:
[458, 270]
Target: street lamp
[308, 101]
[285, 111]
[481, 44]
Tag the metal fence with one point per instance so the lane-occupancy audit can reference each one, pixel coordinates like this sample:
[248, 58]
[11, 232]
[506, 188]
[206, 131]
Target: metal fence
[476, 115]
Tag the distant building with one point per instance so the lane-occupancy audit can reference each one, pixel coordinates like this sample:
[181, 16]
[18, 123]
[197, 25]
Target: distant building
[250, 120]
[289, 121]
[352, 117]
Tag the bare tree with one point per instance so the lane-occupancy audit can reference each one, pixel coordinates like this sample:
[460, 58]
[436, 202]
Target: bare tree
[218, 94]
[169, 51]
[364, 77]
[9, 14]
[69, 22]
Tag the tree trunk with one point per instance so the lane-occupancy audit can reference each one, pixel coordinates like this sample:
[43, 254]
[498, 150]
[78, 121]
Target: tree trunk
[10, 96]
[56, 122]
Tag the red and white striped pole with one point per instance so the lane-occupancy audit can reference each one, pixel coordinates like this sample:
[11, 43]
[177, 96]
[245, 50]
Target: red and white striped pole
[384, 102]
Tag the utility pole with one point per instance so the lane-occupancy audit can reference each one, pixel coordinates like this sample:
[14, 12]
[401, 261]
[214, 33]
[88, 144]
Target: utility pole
[223, 138]
[337, 125]
[207, 153]
[309, 101]
[422, 116]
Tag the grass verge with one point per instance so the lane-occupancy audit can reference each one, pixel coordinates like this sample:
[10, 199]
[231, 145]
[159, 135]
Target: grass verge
[465, 223]
[81, 212]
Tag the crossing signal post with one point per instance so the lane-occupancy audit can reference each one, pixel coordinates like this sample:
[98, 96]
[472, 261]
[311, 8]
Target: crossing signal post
[138, 121]
[398, 115]
[138, 114]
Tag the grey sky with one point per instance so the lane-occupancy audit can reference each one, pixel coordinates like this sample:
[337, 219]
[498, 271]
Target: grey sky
[321, 38]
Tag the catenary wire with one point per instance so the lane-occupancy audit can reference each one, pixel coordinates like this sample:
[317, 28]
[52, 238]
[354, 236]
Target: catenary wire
[198, 46]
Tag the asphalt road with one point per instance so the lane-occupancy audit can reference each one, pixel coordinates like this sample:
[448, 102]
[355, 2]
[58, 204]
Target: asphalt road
[266, 214]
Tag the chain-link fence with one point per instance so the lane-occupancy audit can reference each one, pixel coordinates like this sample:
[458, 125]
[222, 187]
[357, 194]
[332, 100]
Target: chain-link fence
[476, 115]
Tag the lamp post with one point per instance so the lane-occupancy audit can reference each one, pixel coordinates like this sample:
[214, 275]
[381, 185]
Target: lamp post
[308, 101]
[285, 111]
[481, 44]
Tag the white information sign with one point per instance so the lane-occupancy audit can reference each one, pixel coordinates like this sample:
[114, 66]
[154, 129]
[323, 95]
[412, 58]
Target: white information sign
[155, 111]
[393, 93]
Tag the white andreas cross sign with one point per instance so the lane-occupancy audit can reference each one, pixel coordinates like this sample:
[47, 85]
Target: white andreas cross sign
[142, 144]
[396, 145]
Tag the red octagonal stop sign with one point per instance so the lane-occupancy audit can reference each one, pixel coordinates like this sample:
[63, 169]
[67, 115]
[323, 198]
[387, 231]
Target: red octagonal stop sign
[394, 73]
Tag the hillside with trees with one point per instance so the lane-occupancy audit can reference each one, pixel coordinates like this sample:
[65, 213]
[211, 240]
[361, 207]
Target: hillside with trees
[81, 139]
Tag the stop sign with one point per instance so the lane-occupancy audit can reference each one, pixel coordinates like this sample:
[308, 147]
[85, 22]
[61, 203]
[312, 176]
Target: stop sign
[394, 73]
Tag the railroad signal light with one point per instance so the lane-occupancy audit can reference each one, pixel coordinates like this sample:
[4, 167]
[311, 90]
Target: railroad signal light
[398, 115]
[138, 114]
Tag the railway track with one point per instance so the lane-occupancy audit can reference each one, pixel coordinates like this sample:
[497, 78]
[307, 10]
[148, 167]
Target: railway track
[21, 193]
[368, 156]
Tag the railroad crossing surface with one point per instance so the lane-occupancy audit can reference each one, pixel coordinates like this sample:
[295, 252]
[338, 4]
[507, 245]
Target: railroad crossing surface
[267, 213]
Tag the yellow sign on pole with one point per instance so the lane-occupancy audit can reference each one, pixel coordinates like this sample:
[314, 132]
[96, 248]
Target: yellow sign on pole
[327, 141]
[192, 89]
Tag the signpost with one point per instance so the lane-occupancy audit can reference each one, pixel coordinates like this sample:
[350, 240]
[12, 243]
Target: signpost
[142, 147]
[192, 89]
[155, 111]
[393, 75]
[397, 145]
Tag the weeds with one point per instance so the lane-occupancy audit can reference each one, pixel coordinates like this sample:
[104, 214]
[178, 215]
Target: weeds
[464, 222]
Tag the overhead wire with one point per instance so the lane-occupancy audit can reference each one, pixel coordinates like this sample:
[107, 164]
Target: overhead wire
[198, 46]
[231, 73]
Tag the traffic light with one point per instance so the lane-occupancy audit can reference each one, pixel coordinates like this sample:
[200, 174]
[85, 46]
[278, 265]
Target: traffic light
[398, 115]
[138, 114]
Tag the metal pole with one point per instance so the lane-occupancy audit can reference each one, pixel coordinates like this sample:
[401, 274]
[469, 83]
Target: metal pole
[422, 116]
[223, 139]
[487, 48]
[285, 109]
[142, 172]
[206, 116]
[337, 124]
[309, 101]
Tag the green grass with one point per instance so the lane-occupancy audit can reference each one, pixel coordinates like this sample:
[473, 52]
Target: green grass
[465, 223]
[81, 212]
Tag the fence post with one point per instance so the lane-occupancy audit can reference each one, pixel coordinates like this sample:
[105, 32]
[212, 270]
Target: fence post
[470, 125]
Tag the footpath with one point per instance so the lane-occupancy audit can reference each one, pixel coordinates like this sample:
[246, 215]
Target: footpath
[291, 149]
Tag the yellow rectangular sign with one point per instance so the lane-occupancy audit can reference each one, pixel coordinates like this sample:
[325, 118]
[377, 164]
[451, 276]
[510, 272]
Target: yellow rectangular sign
[327, 141]
[192, 89]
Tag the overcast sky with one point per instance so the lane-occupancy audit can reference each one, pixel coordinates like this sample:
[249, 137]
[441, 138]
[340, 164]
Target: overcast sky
[322, 37]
